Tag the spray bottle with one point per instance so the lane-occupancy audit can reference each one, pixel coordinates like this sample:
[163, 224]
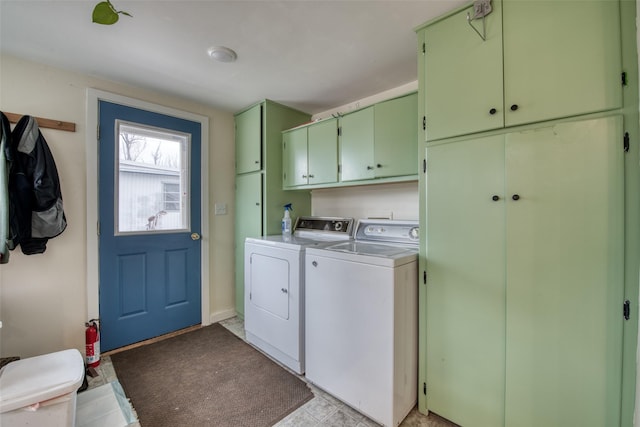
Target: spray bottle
[286, 221]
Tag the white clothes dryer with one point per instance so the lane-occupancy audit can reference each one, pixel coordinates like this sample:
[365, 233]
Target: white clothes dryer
[274, 286]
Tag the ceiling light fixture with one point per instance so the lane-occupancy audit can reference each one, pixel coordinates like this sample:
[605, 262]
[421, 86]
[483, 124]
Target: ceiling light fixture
[222, 54]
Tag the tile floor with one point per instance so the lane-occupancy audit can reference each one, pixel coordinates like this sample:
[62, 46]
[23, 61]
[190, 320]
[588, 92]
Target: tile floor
[323, 410]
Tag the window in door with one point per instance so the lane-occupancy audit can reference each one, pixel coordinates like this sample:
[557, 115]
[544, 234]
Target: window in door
[151, 179]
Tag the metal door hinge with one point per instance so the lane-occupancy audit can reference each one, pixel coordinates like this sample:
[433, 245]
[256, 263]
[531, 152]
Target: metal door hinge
[98, 132]
[424, 277]
[626, 142]
[624, 78]
[424, 122]
[626, 309]
[98, 228]
[424, 388]
[424, 48]
[424, 165]
[340, 131]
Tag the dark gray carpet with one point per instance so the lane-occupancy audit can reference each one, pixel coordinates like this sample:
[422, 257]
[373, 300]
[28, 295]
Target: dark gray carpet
[207, 377]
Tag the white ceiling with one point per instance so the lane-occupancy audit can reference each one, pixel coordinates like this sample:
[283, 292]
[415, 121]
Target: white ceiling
[309, 54]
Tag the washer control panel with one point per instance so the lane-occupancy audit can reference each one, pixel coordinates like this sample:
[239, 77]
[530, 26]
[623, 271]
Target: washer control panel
[392, 231]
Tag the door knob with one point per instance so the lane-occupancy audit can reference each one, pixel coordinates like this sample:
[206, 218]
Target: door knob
[495, 198]
[493, 111]
[514, 107]
[195, 236]
[515, 197]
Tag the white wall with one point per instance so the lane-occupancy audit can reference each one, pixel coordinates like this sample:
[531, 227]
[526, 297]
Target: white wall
[394, 201]
[43, 298]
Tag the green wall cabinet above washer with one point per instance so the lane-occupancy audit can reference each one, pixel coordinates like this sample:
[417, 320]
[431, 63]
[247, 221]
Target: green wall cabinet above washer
[372, 145]
[380, 141]
[311, 154]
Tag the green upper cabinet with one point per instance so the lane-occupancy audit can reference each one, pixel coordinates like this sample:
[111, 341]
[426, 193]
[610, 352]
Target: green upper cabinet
[560, 59]
[396, 137]
[380, 141]
[249, 140]
[462, 75]
[356, 146]
[294, 152]
[323, 152]
[310, 154]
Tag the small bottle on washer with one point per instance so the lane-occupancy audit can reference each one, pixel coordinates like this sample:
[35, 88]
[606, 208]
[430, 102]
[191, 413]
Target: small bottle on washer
[286, 221]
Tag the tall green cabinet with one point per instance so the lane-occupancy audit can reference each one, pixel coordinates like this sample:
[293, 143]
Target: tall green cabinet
[529, 215]
[259, 194]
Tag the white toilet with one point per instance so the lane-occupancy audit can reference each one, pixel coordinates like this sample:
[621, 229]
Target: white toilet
[41, 390]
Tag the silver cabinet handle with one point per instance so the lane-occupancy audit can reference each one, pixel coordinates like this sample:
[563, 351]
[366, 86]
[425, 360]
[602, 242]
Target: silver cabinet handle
[314, 263]
[284, 291]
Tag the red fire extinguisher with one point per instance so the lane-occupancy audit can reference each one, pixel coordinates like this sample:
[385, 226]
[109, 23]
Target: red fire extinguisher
[92, 337]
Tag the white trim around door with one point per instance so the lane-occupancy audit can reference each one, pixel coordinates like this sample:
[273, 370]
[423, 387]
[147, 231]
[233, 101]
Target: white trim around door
[93, 97]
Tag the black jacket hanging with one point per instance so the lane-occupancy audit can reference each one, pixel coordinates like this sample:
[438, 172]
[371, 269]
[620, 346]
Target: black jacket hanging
[5, 140]
[36, 210]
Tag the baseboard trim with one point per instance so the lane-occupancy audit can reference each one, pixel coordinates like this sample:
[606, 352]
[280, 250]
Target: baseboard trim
[222, 315]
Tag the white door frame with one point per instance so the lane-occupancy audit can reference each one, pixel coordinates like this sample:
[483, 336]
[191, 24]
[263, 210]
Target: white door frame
[93, 98]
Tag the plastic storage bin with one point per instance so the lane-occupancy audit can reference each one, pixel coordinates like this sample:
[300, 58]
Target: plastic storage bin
[41, 390]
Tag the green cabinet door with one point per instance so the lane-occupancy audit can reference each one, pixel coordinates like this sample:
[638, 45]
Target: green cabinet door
[565, 275]
[356, 146]
[249, 140]
[561, 58]
[295, 157]
[463, 75]
[248, 224]
[323, 152]
[465, 309]
[396, 137]
[524, 258]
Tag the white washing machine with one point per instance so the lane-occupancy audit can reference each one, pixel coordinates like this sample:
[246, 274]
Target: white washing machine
[362, 318]
[274, 286]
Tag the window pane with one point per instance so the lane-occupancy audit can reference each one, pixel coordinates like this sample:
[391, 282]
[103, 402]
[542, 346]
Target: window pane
[152, 188]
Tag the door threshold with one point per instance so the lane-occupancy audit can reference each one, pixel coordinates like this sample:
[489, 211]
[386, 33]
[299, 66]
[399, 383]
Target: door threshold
[152, 340]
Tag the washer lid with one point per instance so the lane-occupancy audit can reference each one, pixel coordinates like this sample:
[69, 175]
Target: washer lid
[36, 379]
[362, 248]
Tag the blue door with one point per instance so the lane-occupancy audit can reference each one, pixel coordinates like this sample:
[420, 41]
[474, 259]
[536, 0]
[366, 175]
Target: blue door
[149, 227]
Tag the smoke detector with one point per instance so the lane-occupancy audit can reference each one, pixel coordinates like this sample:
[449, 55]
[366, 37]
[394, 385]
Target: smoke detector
[222, 54]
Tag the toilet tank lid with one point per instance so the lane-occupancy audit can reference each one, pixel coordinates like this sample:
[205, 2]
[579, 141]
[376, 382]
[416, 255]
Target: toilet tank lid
[36, 379]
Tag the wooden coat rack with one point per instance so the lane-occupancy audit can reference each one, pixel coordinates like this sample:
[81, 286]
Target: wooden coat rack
[45, 123]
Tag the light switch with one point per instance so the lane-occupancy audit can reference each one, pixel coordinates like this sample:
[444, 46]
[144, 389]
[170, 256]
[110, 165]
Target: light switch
[220, 209]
